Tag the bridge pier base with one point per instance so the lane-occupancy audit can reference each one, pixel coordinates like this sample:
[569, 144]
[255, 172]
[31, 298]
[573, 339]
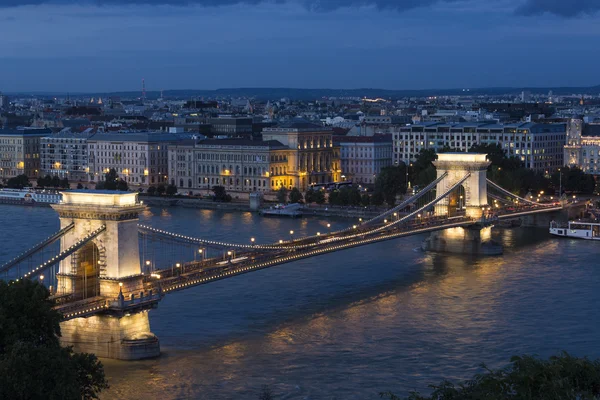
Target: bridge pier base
[473, 240]
[126, 337]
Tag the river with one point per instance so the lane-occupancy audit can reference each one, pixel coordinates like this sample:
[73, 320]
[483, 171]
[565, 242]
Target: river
[348, 325]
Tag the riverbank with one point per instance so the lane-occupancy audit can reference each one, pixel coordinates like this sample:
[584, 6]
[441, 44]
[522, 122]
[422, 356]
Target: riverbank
[307, 210]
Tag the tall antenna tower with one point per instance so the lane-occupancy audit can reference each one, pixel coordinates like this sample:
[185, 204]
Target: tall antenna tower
[143, 89]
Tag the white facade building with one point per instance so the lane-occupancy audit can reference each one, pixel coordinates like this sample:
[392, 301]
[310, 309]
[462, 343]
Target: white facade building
[582, 149]
[20, 152]
[138, 158]
[239, 165]
[362, 158]
[65, 155]
[539, 146]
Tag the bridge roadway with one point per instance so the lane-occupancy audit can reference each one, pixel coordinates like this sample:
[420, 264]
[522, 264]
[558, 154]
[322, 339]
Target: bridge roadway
[197, 273]
[202, 272]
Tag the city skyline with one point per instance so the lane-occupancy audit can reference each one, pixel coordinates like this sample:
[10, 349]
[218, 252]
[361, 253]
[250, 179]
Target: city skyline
[110, 46]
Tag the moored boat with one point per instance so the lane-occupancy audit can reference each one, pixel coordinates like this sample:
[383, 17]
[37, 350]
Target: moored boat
[29, 196]
[580, 229]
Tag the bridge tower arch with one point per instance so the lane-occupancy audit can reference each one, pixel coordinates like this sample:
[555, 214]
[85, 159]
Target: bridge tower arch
[457, 166]
[104, 270]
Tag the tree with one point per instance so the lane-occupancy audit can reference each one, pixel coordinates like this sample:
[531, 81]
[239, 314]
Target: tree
[354, 197]
[295, 195]
[574, 180]
[365, 200]
[282, 195]
[220, 194]
[390, 182]
[18, 182]
[266, 393]
[335, 198]
[161, 189]
[152, 190]
[55, 181]
[45, 181]
[526, 377]
[33, 365]
[122, 186]
[171, 190]
[310, 196]
[320, 197]
[64, 183]
[377, 199]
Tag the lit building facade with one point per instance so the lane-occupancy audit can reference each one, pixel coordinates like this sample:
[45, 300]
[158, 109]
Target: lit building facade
[582, 151]
[539, 146]
[139, 158]
[312, 159]
[66, 155]
[20, 152]
[239, 165]
[362, 158]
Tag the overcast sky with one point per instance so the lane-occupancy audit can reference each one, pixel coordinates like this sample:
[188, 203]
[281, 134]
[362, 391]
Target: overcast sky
[110, 45]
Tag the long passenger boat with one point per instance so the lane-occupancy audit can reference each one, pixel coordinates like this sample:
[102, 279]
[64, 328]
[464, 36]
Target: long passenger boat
[29, 197]
[589, 230]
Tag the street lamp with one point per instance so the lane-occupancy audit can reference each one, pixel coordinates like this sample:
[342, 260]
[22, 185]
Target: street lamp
[318, 233]
[329, 227]
[559, 183]
[292, 235]
[147, 264]
[385, 221]
[229, 255]
[201, 252]
[353, 226]
[252, 240]
[280, 241]
[42, 279]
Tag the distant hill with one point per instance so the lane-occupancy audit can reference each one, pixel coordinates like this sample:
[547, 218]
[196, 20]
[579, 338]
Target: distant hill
[312, 94]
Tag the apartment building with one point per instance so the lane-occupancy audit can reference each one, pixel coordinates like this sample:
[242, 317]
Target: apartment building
[140, 158]
[362, 158]
[65, 154]
[240, 165]
[539, 146]
[20, 152]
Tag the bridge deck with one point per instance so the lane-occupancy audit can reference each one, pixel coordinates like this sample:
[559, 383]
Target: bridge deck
[203, 272]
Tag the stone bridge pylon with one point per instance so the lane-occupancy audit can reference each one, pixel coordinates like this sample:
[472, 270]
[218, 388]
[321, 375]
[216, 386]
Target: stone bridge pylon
[457, 166]
[471, 197]
[106, 267]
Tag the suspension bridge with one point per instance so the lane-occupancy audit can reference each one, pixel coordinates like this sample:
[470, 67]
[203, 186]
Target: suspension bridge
[106, 271]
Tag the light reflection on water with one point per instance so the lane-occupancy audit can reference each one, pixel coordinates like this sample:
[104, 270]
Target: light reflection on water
[350, 324]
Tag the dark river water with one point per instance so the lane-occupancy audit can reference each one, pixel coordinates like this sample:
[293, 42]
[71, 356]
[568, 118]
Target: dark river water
[350, 324]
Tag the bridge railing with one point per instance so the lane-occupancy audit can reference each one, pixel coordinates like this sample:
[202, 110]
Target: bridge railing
[51, 239]
[64, 254]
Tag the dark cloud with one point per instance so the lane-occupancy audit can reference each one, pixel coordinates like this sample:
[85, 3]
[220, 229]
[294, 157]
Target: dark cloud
[563, 8]
[313, 5]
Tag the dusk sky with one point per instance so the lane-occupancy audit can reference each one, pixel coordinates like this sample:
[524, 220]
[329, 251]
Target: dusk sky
[110, 45]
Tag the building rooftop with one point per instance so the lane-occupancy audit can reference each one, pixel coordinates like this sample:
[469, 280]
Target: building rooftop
[136, 137]
[68, 134]
[241, 142]
[298, 124]
[363, 139]
[591, 130]
[26, 132]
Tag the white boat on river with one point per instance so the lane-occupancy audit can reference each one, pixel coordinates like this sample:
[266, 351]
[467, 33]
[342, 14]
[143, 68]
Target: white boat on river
[580, 229]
